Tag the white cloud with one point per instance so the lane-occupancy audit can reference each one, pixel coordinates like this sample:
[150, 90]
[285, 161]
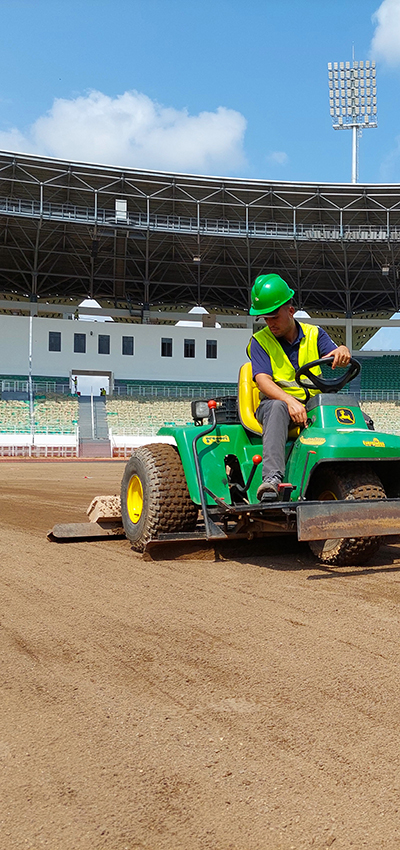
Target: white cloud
[386, 40]
[135, 131]
[278, 158]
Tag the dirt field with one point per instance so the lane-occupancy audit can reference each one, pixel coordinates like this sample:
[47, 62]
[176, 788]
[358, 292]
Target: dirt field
[250, 704]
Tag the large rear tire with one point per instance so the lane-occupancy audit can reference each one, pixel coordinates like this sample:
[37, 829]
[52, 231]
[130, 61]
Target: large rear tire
[154, 495]
[346, 483]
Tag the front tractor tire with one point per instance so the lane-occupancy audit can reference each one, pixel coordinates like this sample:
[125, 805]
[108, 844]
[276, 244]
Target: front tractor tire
[346, 483]
[154, 495]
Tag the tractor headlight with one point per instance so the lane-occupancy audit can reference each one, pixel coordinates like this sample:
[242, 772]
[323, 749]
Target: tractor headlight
[200, 410]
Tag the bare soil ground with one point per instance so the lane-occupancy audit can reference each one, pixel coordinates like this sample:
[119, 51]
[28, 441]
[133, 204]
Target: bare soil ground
[246, 704]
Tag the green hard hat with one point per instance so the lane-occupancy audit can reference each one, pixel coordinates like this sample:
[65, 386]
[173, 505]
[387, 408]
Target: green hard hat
[269, 292]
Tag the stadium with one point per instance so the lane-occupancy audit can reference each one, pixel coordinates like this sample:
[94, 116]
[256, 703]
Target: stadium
[169, 260]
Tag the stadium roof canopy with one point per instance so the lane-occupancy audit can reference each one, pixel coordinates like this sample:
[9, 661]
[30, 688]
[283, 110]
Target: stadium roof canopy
[143, 239]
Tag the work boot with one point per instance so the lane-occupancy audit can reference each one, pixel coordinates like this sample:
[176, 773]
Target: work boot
[268, 490]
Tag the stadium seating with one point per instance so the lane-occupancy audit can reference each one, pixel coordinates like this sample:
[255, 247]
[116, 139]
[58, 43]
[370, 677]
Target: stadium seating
[144, 418]
[380, 373]
[385, 415]
[53, 414]
[56, 414]
[14, 417]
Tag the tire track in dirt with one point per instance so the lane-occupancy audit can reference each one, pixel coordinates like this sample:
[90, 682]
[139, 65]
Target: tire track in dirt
[162, 705]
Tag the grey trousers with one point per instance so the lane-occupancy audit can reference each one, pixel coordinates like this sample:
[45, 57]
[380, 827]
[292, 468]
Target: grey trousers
[274, 417]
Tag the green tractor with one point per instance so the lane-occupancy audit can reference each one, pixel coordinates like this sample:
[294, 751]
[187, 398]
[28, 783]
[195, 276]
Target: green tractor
[340, 491]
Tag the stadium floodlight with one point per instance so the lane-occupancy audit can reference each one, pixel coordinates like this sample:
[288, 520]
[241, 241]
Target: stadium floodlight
[352, 101]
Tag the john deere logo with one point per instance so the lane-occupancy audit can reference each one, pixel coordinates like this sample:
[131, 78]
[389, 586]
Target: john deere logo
[222, 439]
[345, 416]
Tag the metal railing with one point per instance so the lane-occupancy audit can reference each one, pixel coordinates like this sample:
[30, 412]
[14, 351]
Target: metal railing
[378, 395]
[39, 451]
[185, 392]
[42, 430]
[173, 392]
[193, 224]
[231, 390]
[21, 386]
[144, 429]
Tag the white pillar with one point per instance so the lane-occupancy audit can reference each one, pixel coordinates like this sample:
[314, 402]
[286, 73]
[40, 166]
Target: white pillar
[354, 156]
[349, 334]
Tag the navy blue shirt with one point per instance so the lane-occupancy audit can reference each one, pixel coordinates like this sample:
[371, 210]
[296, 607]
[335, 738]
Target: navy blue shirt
[261, 361]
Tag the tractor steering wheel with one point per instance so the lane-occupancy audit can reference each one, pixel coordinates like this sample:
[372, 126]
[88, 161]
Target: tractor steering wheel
[326, 385]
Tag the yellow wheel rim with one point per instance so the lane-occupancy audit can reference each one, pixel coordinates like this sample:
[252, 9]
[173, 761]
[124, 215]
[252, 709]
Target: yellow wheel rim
[327, 496]
[134, 499]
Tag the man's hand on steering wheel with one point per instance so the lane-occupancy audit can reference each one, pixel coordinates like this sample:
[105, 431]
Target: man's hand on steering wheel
[341, 356]
[330, 384]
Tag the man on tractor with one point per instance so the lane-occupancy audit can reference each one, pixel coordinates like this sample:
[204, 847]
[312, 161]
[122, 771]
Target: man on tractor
[276, 352]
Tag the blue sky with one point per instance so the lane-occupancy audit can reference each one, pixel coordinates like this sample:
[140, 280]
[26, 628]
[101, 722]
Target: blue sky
[213, 86]
[226, 87]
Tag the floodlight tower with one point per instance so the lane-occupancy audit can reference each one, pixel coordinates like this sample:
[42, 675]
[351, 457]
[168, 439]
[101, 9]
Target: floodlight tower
[352, 100]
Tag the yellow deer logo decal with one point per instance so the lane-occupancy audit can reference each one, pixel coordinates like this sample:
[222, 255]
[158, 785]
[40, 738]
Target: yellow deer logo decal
[345, 416]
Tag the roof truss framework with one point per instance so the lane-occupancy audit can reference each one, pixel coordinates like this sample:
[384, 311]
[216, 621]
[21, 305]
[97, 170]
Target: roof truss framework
[188, 239]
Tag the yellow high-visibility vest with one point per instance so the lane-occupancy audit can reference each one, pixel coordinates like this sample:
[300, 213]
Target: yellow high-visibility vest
[283, 373]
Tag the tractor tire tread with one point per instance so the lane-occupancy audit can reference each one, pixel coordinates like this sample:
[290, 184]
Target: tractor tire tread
[361, 483]
[169, 506]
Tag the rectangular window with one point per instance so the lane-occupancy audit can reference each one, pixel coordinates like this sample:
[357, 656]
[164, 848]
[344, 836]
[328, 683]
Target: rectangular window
[166, 347]
[104, 344]
[127, 345]
[189, 348]
[54, 341]
[80, 343]
[211, 349]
